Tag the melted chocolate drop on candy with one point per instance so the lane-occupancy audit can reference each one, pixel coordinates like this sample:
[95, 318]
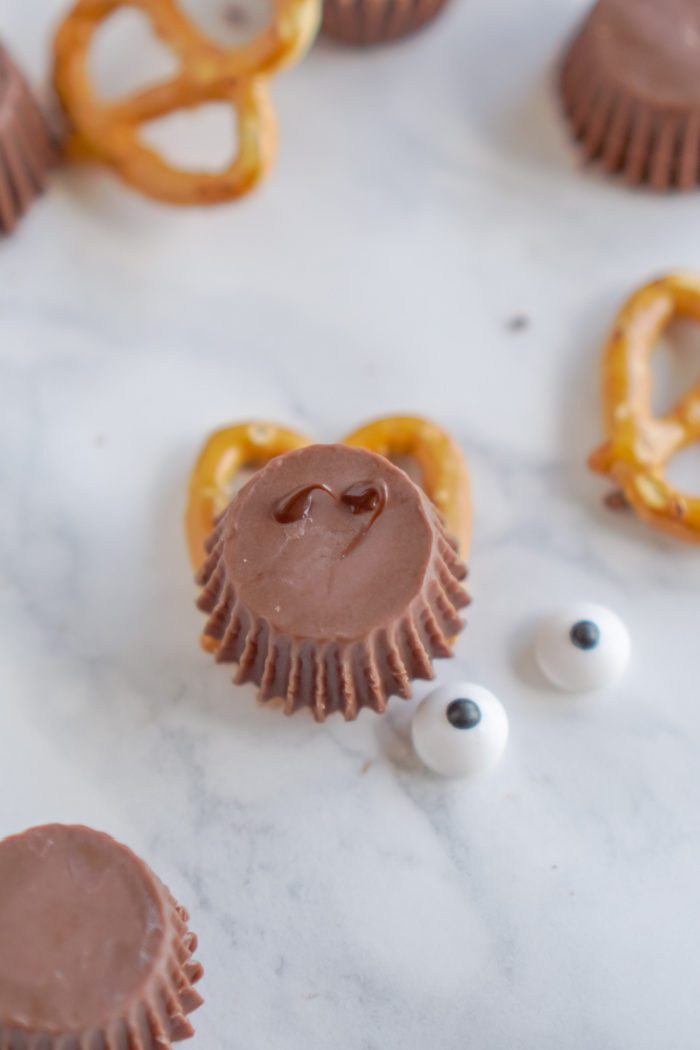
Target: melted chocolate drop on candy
[366, 496]
[361, 499]
[297, 504]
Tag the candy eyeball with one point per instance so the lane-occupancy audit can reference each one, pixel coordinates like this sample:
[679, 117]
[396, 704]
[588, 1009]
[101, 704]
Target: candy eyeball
[582, 647]
[460, 729]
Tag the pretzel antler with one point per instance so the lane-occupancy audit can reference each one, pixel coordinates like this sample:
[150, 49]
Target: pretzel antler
[109, 132]
[640, 444]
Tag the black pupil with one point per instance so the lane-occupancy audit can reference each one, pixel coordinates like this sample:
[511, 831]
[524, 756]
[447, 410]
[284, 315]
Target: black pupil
[463, 714]
[585, 634]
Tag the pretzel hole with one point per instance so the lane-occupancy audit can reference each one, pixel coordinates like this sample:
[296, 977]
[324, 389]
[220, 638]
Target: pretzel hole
[410, 466]
[202, 139]
[229, 23]
[677, 368]
[126, 56]
[683, 470]
[242, 477]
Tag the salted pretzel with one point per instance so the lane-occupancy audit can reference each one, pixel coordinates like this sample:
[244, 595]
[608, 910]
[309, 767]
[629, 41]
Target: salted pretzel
[639, 444]
[108, 132]
[444, 473]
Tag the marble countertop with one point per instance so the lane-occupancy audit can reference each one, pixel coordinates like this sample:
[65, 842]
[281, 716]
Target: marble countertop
[424, 196]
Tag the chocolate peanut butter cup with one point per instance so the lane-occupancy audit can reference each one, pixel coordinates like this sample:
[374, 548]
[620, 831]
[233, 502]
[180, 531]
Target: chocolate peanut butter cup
[631, 89]
[26, 149]
[331, 582]
[94, 950]
[363, 23]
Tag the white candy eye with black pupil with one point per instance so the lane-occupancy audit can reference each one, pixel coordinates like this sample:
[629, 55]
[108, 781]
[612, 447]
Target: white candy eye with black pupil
[583, 647]
[460, 730]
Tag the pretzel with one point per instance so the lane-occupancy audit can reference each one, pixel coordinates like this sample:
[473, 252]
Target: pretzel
[108, 132]
[639, 444]
[227, 452]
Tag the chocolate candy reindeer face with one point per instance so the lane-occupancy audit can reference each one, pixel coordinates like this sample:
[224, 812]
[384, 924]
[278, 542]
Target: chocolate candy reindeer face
[331, 579]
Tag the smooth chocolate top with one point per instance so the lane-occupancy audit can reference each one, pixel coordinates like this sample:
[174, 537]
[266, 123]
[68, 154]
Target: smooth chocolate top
[81, 924]
[652, 47]
[328, 542]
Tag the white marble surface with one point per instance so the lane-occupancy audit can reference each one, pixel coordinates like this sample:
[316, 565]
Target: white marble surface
[424, 195]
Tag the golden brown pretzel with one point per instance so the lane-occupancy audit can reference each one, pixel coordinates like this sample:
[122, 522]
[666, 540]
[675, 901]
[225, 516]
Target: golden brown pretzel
[226, 452]
[109, 131]
[639, 444]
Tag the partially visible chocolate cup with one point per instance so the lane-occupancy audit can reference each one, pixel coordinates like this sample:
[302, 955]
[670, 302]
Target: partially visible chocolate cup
[630, 85]
[26, 149]
[331, 582]
[363, 23]
[94, 952]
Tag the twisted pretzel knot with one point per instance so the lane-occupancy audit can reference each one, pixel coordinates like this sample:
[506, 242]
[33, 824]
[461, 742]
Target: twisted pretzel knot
[109, 132]
[444, 473]
[640, 444]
